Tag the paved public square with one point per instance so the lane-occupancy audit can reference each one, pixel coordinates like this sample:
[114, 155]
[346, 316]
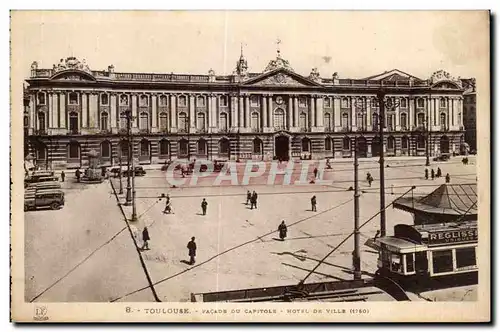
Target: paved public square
[237, 247]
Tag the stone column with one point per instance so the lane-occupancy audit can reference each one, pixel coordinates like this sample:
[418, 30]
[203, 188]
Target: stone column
[337, 113]
[62, 110]
[49, 109]
[312, 115]
[113, 110]
[264, 112]
[154, 112]
[55, 110]
[212, 111]
[411, 114]
[270, 111]
[368, 113]
[398, 114]
[319, 112]
[353, 120]
[93, 110]
[247, 111]
[134, 111]
[289, 124]
[32, 113]
[295, 111]
[241, 112]
[173, 113]
[234, 112]
[84, 120]
[192, 115]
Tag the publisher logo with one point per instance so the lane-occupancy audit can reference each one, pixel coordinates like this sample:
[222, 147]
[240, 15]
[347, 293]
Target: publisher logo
[40, 313]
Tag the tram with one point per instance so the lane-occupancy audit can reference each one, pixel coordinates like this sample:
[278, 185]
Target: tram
[429, 256]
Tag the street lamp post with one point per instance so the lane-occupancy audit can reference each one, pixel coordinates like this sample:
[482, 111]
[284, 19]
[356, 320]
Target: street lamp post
[128, 199]
[427, 146]
[120, 172]
[356, 254]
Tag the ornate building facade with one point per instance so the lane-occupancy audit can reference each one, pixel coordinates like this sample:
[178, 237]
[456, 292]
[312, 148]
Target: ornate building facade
[277, 113]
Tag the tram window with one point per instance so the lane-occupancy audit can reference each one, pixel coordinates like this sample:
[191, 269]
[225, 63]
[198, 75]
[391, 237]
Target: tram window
[442, 261]
[396, 263]
[410, 263]
[466, 257]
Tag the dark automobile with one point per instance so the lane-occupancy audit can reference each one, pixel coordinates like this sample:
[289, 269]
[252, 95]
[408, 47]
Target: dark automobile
[139, 171]
[442, 157]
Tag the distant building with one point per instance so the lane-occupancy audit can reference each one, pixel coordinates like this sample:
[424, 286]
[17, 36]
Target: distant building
[275, 113]
[470, 117]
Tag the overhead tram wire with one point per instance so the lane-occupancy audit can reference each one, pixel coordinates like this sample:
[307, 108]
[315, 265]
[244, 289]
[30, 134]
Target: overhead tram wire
[231, 249]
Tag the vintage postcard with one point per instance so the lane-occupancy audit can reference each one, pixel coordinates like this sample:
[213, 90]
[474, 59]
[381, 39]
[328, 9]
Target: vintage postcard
[250, 166]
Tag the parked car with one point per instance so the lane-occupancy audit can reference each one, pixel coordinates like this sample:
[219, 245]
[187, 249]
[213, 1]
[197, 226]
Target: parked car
[442, 157]
[44, 185]
[53, 198]
[39, 178]
[139, 171]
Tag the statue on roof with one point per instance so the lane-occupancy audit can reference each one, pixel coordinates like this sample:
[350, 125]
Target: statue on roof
[314, 75]
[279, 62]
[72, 63]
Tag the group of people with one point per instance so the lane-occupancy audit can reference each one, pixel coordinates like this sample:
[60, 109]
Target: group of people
[168, 206]
[191, 246]
[436, 174]
[252, 199]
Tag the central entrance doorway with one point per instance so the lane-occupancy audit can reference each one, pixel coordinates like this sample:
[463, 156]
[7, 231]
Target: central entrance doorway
[282, 147]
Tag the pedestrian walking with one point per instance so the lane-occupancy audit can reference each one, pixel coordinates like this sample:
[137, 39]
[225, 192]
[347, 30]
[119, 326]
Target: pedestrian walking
[191, 251]
[145, 239]
[168, 205]
[315, 171]
[438, 173]
[77, 174]
[426, 174]
[249, 197]
[369, 178]
[63, 175]
[253, 201]
[313, 204]
[432, 174]
[447, 178]
[204, 205]
[282, 230]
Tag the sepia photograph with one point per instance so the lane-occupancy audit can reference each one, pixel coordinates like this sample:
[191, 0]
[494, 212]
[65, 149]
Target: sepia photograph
[250, 166]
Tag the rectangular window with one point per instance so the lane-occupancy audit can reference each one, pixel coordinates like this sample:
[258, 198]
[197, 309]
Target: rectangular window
[254, 101]
[442, 261]
[223, 101]
[302, 102]
[327, 103]
[182, 101]
[396, 264]
[466, 257]
[410, 263]
[420, 102]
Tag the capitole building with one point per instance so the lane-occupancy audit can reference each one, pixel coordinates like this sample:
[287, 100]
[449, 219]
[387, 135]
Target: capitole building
[71, 109]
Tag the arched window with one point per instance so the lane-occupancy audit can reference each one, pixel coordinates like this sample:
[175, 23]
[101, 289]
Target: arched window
[104, 121]
[144, 148]
[404, 142]
[183, 123]
[223, 121]
[254, 100]
[73, 98]
[105, 149]
[200, 101]
[327, 121]
[346, 144]
[328, 144]
[375, 121]
[123, 100]
[143, 101]
[257, 146]
[420, 142]
[303, 121]
[306, 144]
[182, 101]
[344, 102]
[41, 121]
[26, 121]
[123, 120]
[144, 121]
[41, 98]
[390, 121]
[73, 122]
[327, 103]
[442, 102]
[255, 121]
[360, 121]
[104, 99]
[345, 121]
[403, 103]
[403, 120]
[279, 119]
[200, 121]
[74, 150]
[202, 146]
[223, 101]
[224, 146]
[163, 100]
[442, 119]
[420, 119]
[41, 151]
[420, 102]
[164, 147]
[183, 148]
[163, 121]
[391, 143]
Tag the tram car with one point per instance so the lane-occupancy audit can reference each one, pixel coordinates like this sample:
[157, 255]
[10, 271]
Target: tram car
[429, 256]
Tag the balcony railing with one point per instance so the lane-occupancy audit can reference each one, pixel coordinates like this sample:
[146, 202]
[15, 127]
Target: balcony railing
[73, 132]
[444, 128]
[345, 130]
[182, 131]
[278, 128]
[256, 130]
[40, 132]
[144, 130]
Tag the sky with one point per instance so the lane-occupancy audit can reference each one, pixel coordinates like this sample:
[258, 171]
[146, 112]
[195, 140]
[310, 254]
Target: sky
[355, 44]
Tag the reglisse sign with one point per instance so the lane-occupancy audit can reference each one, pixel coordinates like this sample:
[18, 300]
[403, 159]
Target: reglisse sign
[453, 236]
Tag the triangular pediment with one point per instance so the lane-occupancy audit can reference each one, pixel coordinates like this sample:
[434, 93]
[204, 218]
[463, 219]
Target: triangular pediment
[392, 75]
[280, 77]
